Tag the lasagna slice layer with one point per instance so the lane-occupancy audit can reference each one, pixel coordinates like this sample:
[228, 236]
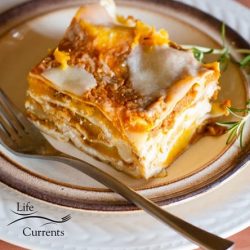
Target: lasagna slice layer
[122, 92]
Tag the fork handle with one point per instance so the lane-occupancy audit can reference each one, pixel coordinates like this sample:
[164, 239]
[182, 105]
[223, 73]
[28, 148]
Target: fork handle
[200, 237]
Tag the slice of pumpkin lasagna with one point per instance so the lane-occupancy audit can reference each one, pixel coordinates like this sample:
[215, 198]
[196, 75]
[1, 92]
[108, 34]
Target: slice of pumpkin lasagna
[122, 92]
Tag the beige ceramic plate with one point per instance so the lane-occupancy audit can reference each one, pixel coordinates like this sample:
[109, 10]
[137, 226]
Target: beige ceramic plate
[28, 32]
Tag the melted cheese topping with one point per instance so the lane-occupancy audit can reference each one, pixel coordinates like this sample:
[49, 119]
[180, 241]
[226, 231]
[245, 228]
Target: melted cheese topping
[110, 7]
[62, 57]
[103, 14]
[155, 69]
[97, 14]
[73, 79]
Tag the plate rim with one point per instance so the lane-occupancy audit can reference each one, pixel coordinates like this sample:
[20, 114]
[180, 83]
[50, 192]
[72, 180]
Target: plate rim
[63, 4]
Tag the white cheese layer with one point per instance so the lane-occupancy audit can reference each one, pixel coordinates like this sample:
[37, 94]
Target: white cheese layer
[155, 69]
[73, 79]
[103, 14]
[157, 149]
[110, 7]
[123, 148]
[97, 15]
[154, 149]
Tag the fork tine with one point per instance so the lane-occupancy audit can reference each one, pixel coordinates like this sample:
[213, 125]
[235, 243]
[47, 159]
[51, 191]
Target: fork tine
[5, 137]
[19, 120]
[67, 217]
[7, 117]
[7, 126]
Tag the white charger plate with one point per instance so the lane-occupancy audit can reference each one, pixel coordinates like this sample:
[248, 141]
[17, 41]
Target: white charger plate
[135, 230]
[205, 164]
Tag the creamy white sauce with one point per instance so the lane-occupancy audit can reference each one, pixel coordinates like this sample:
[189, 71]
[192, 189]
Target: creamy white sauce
[98, 14]
[103, 14]
[110, 7]
[73, 79]
[155, 69]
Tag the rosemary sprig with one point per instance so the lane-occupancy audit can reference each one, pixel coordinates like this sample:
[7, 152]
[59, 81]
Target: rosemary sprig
[236, 128]
[215, 51]
[224, 53]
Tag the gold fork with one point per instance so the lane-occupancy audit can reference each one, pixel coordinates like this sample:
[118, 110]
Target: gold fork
[20, 136]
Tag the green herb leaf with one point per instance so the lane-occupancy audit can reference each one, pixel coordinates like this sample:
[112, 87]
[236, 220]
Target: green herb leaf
[225, 56]
[228, 125]
[223, 34]
[239, 110]
[232, 133]
[236, 128]
[198, 54]
[210, 51]
[241, 134]
[224, 59]
[225, 123]
[233, 113]
[245, 61]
